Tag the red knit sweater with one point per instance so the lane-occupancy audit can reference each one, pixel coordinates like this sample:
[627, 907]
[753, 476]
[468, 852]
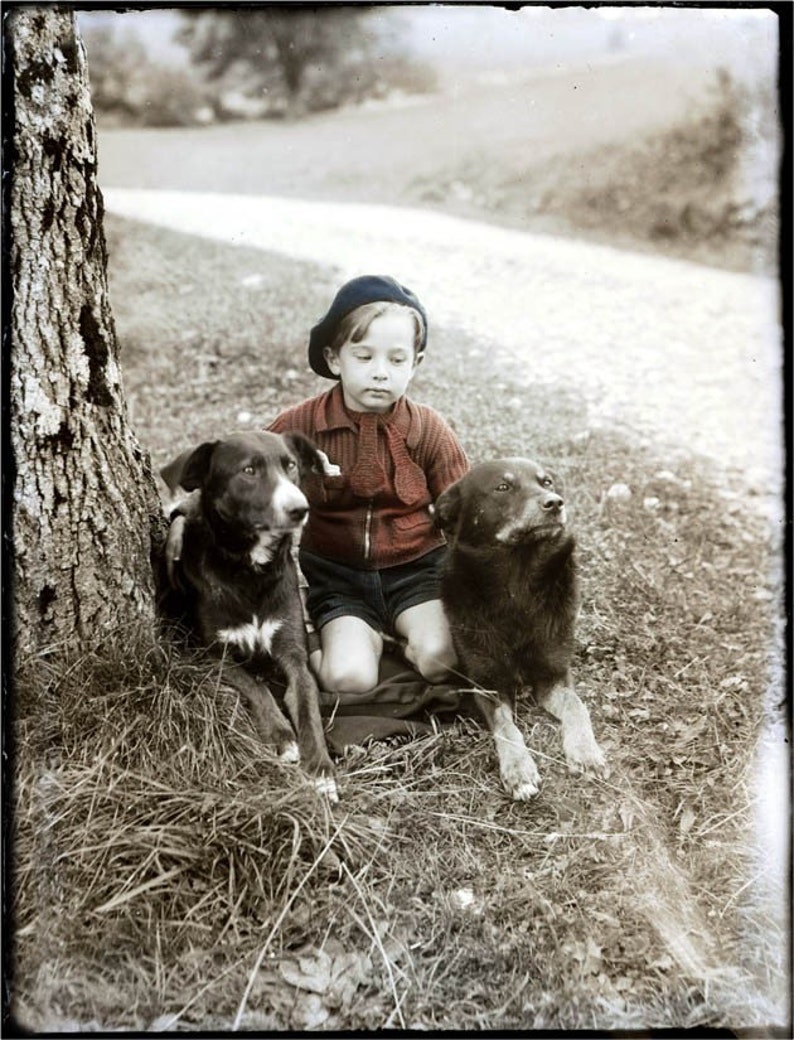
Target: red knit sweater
[375, 514]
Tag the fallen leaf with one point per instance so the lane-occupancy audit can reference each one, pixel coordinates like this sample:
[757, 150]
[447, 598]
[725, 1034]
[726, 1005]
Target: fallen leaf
[312, 973]
[310, 1012]
[163, 1024]
[330, 973]
[733, 682]
[627, 816]
[687, 819]
[664, 963]
[350, 971]
[689, 733]
[591, 965]
[605, 918]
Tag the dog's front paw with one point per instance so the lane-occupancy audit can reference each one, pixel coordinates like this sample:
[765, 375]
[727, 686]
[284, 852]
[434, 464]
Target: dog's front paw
[583, 755]
[326, 786]
[288, 752]
[521, 778]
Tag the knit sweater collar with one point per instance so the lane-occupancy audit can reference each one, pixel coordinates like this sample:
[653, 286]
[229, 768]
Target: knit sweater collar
[334, 415]
[368, 477]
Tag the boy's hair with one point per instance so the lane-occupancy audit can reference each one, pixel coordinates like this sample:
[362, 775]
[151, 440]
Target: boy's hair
[354, 326]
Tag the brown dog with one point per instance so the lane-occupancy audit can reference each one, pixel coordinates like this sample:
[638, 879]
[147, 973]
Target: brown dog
[510, 593]
[237, 564]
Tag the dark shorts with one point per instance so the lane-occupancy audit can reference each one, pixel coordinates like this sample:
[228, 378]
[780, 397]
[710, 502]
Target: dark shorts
[377, 597]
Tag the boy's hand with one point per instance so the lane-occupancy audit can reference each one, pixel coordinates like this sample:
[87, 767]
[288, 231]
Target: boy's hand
[173, 549]
[181, 506]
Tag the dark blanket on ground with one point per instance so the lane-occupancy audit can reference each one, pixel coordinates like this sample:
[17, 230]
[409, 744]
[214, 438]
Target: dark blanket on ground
[403, 703]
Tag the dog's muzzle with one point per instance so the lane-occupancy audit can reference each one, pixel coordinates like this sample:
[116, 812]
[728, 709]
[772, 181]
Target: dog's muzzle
[546, 520]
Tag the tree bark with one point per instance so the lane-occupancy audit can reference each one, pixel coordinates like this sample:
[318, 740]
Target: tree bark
[84, 501]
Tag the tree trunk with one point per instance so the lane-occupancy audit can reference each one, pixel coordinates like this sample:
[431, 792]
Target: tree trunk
[84, 501]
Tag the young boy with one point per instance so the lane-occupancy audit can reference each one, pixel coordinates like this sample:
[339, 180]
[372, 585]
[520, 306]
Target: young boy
[370, 551]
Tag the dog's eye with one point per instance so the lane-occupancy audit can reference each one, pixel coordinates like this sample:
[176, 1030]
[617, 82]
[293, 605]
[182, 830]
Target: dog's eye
[249, 470]
[546, 482]
[290, 465]
[504, 486]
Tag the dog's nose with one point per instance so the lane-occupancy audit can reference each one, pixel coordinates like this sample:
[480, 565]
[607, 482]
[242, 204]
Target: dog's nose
[552, 503]
[297, 513]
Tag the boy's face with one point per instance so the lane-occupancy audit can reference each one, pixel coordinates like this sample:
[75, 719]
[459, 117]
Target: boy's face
[375, 371]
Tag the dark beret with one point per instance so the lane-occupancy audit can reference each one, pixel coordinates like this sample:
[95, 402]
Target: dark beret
[369, 288]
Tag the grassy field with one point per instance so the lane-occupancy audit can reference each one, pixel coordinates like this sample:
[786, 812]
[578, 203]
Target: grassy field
[170, 875]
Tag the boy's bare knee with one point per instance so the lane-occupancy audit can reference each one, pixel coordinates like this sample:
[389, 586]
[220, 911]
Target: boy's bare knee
[433, 671]
[429, 645]
[350, 656]
[347, 677]
[433, 659]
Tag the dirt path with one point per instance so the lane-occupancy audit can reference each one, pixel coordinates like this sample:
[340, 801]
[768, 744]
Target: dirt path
[373, 153]
[684, 354]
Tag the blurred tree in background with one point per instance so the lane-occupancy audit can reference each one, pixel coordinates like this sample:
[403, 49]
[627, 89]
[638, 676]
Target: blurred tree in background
[261, 47]
[128, 87]
[258, 62]
[114, 63]
[288, 61]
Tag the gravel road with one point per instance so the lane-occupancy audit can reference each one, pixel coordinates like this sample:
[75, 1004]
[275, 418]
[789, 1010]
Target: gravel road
[685, 354]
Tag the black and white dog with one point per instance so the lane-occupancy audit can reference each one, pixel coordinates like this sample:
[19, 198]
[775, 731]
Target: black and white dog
[236, 562]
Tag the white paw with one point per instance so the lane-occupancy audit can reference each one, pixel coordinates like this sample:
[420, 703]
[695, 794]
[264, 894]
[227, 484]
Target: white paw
[525, 791]
[290, 755]
[583, 755]
[326, 785]
[521, 779]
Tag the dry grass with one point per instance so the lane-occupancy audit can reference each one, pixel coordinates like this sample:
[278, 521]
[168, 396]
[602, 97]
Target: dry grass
[169, 874]
[695, 188]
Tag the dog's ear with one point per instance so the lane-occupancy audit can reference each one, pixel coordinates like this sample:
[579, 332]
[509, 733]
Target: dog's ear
[311, 459]
[172, 471]
[197, 466]
[446, 509]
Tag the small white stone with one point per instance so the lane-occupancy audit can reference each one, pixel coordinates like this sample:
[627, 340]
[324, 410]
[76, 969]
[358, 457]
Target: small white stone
[463, 898]
[619, 493]
[252, 281]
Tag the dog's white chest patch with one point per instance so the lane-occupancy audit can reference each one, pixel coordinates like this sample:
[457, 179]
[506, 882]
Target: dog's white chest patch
[253, 635]
[262, 552]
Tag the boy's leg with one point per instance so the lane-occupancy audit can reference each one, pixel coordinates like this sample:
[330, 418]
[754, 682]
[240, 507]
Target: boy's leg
[429, 640]
[349, 658]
